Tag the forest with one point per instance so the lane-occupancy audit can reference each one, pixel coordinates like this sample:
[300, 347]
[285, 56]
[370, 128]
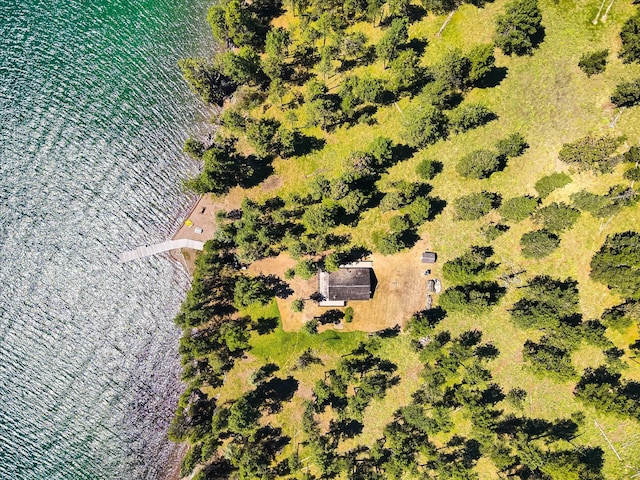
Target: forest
[504, 134]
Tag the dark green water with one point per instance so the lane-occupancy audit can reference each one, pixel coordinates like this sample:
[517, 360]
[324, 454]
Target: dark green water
[93, 114]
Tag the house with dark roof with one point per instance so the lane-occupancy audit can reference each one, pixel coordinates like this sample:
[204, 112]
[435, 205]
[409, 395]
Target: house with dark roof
[349, 282]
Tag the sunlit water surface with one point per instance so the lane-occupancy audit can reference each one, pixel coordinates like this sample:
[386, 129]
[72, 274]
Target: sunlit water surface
[93, 114]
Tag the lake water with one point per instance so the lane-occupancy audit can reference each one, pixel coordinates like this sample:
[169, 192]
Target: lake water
[93, 115]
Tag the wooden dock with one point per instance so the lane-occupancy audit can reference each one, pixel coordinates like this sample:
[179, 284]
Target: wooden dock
[149, 250]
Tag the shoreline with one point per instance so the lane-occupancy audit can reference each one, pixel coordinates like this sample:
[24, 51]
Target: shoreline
[202, 215]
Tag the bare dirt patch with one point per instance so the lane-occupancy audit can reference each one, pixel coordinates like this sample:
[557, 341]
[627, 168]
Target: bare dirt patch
[401, 291]
[272, 183]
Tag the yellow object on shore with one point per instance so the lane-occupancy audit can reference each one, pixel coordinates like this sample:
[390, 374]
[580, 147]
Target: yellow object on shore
[188, 223]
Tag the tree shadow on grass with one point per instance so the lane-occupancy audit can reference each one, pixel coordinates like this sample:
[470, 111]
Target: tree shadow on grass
[218, 469]
[333, 316]
[265, 326]
[273, 393]
[417, 44]
[347, 428]
[401, 152]
[279, 288]
[437, 206]
[493, 78]
[305, 144]
[253, 171]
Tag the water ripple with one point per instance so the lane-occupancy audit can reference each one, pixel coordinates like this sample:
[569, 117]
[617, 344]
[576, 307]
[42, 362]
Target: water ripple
[92, 117]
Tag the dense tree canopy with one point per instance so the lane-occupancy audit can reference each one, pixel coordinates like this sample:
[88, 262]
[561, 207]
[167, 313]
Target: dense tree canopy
[538, 244]
[617, 264]
[518, 28]
[518, 208]
[627, 94]
[630, 37]
[424, 125]
[591, 153]
[479, 164]
[475, 205]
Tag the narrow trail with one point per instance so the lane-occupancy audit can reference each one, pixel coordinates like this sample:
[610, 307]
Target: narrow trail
[446, 22]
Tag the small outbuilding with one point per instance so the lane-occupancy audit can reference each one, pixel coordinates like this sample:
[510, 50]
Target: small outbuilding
[429, 257]
[431, 286]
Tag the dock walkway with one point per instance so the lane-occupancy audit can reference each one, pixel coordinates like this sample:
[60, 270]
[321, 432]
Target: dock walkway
[149, 250]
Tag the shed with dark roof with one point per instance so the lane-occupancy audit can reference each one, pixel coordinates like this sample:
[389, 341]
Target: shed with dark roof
[429, 257]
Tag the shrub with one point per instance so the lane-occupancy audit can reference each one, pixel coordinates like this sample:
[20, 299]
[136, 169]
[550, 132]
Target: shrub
[348, 315]
[289, 273]
[419, 210]
[592, 153]
[627, 94]
[493, 230]
[556, 217]
[472, 298]
[622, 316]
[516, 397]
[475, 205]
[469, 116]
[547, 303]
[306, 269]
[453, 69]
[601, 206]
[311, 326]
[482, 61]
[233, 119]
[548, 184]
[518, 208]
[427, 169]
[399, 223]
[512, 146]
[549, 360]
[297, 305]
[250, 290]
[389, 243]
[538, 244]
[332, 262]
[589, 202]
[632, 174]
[261, 134]
[478, 164]
[194, 148]
[472, 265]
[632, 155]
[594, 62]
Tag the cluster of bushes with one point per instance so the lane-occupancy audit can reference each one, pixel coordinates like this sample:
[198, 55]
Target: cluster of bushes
[552, 305]
[425, 121]
[473, 292]
[483, 163]
[456, 381]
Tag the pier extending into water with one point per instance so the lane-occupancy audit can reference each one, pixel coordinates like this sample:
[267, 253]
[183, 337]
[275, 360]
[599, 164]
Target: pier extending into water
[149, 250]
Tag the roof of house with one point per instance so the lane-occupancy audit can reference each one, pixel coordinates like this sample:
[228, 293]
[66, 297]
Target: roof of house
[346, 284]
